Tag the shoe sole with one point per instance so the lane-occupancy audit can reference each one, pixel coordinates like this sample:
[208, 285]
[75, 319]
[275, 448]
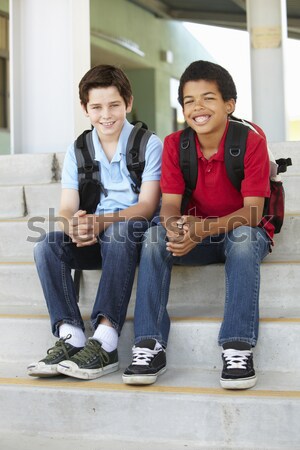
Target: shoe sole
[72, 370]
[242, 383]
[42, 370]
[142, 379]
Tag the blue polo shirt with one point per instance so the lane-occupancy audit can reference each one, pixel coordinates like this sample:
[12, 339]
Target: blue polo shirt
[114, 174]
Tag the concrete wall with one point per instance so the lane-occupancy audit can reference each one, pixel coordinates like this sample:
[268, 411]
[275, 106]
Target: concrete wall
[117, 29]
[149, 74]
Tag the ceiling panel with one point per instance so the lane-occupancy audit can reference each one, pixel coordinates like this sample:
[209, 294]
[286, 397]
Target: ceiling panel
[225, 13]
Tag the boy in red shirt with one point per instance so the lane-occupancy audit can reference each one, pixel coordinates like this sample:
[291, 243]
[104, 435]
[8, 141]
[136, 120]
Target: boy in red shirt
[220, 224]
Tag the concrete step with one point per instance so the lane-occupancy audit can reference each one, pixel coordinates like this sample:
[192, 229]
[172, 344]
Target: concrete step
[34, 175]
[36, 441]
[193, 291]
[292, 188]
[24, 169]
[46, 167]
[12, 202]
[185, 408]
[32, 200]
[38, 199]
[26, 339]
[19, 236]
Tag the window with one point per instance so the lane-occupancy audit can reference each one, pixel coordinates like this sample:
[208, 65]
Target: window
[4, 57]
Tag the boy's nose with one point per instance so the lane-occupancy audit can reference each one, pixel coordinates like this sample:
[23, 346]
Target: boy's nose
[105, 113]
[199, 103]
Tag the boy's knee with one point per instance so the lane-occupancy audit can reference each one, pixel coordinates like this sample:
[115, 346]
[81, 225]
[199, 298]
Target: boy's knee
[243, 239]
[46, 243]
[155, 238]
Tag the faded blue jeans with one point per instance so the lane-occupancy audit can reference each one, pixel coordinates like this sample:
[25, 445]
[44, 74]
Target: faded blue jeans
[242, 251]
[117, 253]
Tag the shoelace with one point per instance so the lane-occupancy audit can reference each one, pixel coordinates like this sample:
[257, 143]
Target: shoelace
[59, 346]
[142, 356]
[236, 359]
[89, 351]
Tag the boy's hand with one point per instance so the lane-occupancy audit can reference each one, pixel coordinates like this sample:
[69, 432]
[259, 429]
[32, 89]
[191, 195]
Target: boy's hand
[183, 243]
[174, 233]
[82, 229]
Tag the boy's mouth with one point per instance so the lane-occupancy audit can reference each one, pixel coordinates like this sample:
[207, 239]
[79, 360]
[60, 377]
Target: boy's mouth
[201, 119]
[107, 124]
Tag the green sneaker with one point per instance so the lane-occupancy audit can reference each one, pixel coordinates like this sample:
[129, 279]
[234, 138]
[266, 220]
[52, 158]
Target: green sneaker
[47, 367]
[90, 363]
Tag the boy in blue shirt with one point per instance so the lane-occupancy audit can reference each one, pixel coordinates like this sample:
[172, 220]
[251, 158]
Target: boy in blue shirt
[110, 238]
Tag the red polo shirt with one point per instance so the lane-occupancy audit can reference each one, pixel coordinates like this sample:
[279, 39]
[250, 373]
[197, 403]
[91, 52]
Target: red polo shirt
[215, 196]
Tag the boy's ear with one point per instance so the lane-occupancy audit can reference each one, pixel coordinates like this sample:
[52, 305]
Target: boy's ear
[230, 106]
[129, 106]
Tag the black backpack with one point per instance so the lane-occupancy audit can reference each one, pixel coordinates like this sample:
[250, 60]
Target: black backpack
[89, 173]
[235, 148]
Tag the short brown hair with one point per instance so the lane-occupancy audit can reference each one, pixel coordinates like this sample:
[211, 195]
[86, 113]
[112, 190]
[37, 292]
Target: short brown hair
[105, 76]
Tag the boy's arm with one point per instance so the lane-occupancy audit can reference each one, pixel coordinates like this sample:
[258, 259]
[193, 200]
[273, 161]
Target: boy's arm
[170, 213]
[74, 222]
[192, 230]
[84, 228]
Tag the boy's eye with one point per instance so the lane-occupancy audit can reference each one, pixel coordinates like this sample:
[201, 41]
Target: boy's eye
[188, 102]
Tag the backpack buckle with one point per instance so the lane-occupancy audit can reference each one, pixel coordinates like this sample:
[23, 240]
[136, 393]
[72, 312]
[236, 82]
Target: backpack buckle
[88, 168]
[185, 144]
[134, 166]
[235, 151]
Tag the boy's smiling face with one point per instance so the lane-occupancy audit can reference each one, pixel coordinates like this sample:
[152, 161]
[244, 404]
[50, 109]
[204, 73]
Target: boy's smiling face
[107, 111]
[204, 108]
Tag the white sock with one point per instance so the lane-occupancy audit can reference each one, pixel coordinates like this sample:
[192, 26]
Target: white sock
[107, 336]
[77, 338]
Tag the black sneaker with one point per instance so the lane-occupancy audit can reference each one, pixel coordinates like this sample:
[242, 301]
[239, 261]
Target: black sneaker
[238, 371]
[47, 367]
[149, 361]
[91, 362]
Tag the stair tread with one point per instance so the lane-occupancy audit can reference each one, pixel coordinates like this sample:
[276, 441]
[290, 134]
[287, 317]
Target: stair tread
[11, 441]
[182, 312]
[188, 381]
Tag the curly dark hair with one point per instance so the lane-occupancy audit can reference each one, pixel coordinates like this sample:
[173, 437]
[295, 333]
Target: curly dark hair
[206, 70]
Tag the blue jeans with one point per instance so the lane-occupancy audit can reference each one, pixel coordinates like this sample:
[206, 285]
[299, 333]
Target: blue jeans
[117, 253]
[242, 251]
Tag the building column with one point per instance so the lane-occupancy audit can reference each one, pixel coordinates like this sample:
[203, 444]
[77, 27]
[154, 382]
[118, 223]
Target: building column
[49, 53]
[267, 25]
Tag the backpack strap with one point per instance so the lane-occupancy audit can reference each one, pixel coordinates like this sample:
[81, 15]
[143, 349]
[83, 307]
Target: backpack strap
[188, 161]
[87, 167]
[235, 149]
[135, 153]
[85, 157]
